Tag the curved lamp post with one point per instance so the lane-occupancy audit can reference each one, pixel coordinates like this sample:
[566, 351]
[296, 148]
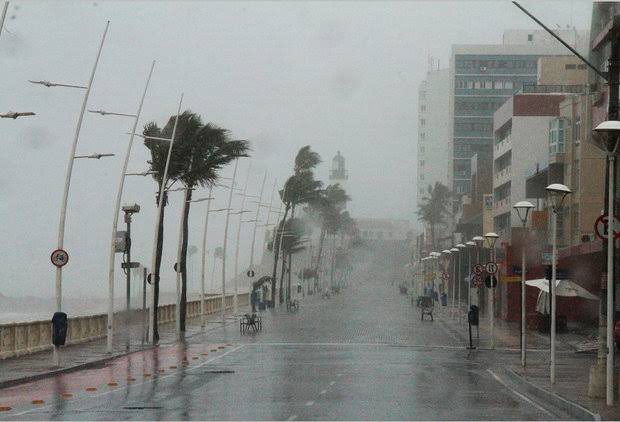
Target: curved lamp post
[557, 192]
[445, 255]
[523, 209]
[454, 251]
[491, 238]
[65, 196]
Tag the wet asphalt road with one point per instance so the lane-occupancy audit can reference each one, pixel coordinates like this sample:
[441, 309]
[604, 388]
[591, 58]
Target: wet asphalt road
[361, 355]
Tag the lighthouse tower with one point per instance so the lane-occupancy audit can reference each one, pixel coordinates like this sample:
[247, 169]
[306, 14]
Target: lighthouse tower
[338, 172]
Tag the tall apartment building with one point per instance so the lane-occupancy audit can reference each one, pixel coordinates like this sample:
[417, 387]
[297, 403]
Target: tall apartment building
[482, 78]
[433, 130]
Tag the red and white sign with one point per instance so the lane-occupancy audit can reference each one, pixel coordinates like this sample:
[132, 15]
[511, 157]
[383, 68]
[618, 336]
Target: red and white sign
[478, 269]
[601, 227]
[477, 280]
[59, 258]
[491, 267]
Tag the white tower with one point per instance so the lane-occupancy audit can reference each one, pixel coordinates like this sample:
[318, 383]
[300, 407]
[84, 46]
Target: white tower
[338, 173]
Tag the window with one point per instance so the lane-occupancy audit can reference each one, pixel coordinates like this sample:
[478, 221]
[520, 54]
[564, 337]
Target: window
[508, 85]
[477, 85]
[556, 136]
[421, 150]
[581, 66]
[488, 84]
[577, 130]
[422, 122]
[423, 108]
[530, 37]
[422, 136]
[570, 66]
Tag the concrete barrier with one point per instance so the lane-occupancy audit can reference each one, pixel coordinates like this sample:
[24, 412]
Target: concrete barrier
[22, 338]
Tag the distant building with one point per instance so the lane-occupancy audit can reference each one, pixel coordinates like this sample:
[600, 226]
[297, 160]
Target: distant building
[483, 77]
[338, 172]
[384, 229]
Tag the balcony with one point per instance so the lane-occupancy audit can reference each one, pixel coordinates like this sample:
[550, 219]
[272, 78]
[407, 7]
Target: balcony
[503, 146]
[502, 206]
[502, 176]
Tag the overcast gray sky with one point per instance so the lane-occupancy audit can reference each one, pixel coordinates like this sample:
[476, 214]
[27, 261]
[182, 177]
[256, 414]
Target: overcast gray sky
[337, 76]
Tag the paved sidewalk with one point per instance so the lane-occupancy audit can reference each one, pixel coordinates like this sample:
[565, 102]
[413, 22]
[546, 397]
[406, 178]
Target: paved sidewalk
[572, 366]
[39, 365]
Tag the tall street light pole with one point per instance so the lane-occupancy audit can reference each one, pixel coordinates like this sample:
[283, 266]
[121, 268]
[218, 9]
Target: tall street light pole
[117, 205]
[462, 248]
[180, 330]
[557, 192]
[479, 240]
[258, 207]
[5, 8]
[244, 196]
[225, 245]
[470, 245]
[65, 196]
[160, 202]
[523, 209]
[455, 256]
[491, 238]
[605, 137]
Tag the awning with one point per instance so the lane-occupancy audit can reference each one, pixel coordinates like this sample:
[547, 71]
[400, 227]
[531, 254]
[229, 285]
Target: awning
[564, 288]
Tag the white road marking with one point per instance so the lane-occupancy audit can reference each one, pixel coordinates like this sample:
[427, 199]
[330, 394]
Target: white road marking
[309, 403]
[292, 418]
[521, 396]
[150, 380]
[322, 392]
[332, 383]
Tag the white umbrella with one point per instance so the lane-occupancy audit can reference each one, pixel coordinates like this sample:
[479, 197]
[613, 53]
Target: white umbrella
[565, 288]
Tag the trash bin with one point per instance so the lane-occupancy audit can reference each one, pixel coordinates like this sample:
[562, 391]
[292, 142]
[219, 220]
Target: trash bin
[444, 299]
[473, 315]
[59, 329]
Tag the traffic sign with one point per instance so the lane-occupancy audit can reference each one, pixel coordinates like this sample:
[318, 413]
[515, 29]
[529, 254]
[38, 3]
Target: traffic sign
[445, 276]
[176, 266]
[491, 267]
[250, 273]
[148, 278]
[478, 269]
[477, 280]
[59, 258]
[491, 281]
[601, 227]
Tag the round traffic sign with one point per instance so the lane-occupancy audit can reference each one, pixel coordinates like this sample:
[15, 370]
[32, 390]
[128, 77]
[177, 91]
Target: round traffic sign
[148, 278]
[250, 273]
[59, 258]
[478, 269]
[601, 227]
[491, 281]
[445, 276]
[491, 267]
[477, 280]
[176, 267]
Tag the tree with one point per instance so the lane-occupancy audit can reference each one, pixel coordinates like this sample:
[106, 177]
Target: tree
[435, 208]
[299, 188]
[292, 234]
[199, 153]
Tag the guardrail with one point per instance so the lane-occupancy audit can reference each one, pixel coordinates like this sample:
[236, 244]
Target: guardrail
[23, 338]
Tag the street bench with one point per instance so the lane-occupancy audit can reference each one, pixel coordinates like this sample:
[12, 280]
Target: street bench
[249, 322]
[293, 305]
[425, 303]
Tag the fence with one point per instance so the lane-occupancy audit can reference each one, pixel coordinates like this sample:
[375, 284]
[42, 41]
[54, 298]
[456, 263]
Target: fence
[29, 337]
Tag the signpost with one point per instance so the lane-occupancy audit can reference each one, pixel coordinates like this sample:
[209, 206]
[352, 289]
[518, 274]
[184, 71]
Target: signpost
[601, 227]
[59, 258]
[478, 269]
[490, 281]
[491, 267]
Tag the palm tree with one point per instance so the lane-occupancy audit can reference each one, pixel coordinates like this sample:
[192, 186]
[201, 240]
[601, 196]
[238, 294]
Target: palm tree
[205, 151]
[299, 188]
[292, 234]
[199, 153]
[327, 206]
[435, 208]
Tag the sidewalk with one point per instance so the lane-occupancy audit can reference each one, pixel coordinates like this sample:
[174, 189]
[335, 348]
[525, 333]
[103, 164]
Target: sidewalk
[572, 365]
[39, 365]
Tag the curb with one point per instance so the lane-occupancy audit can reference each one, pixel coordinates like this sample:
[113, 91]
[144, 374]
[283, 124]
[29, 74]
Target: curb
[85, 365]
[571, 408]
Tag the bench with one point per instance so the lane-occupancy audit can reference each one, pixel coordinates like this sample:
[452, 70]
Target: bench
[250, 322]
[293, 305]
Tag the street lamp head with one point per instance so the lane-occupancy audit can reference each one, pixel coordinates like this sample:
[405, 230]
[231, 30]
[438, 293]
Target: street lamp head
[446, 252]
[557, 193]
[461, 246]
[454, 250]
[523, 209]
[491, 238]
[605, 136]
[470, 243]
[478, 240]
[131, 209]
